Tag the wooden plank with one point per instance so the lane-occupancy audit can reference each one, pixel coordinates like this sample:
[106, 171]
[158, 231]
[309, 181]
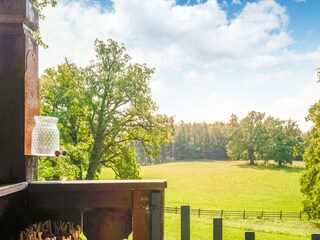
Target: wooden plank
[185, 222]
[39, 201]
[12, 188]
[217, 229]
[141, 215]
[96, 186]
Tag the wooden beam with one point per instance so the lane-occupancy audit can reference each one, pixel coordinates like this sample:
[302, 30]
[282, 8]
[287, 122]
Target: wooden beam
[12, 188]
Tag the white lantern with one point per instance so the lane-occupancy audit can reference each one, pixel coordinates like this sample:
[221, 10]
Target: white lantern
[45, 136]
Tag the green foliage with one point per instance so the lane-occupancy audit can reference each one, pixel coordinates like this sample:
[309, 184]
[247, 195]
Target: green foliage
[247, 137]
[103, 109]
[259, 137]
[200, 141]
[284, 141]
[57, 168]
[310, 178]
[40, 5]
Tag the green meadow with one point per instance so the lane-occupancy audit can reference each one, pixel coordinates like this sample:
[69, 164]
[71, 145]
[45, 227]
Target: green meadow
[231, 185]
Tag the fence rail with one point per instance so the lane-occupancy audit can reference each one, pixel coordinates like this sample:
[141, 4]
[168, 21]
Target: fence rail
[217, 227]
[244, 214]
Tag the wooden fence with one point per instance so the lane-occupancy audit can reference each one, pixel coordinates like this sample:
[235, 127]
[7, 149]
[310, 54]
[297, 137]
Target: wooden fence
[244, 214]
[185, 212]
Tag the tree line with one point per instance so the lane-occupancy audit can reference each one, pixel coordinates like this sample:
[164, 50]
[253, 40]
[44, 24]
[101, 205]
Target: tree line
[255, 137]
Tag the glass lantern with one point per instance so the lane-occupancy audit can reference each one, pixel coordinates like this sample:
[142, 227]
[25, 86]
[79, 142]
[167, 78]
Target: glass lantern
[45, 136]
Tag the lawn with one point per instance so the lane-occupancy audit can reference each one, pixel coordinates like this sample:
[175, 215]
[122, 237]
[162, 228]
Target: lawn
[231, 186]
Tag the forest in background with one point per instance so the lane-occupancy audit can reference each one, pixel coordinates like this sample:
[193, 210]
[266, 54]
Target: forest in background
[256, 136]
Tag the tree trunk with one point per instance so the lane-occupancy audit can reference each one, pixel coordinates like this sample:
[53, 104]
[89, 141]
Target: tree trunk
[94, 158]
[91, 171]
[251, 156]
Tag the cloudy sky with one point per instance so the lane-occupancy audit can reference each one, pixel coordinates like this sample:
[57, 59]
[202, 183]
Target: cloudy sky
[212, 57]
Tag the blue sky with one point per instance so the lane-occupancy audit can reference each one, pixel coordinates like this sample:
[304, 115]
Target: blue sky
[212, 57]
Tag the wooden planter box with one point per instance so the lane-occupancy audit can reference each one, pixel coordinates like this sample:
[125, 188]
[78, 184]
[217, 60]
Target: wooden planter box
[106, 209]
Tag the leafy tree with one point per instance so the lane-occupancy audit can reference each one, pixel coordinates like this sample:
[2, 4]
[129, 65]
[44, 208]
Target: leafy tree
[247, 137]
[284, 141]
[104, 109]
[310, 179]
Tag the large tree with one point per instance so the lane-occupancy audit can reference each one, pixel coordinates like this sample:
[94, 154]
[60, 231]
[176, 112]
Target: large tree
[247, 137]
[310, 179]
[104, 109]
[284, 142]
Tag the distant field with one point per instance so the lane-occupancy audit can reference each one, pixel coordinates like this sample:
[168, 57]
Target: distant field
[231, 186]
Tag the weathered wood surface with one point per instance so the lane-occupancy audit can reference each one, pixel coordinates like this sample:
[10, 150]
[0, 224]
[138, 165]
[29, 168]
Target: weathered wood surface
[19, 11]
[19, 86]
[99, 185]
[110, 209]
[12, 188]
[13, 215]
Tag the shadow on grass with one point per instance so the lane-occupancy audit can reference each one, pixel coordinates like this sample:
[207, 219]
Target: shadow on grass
[273, 167]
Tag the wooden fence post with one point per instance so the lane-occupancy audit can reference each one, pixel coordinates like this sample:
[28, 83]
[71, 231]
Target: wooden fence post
[249, 236]
[244, 214]
[217, 229]
[281, 214]
[185, 222]
[315, 236]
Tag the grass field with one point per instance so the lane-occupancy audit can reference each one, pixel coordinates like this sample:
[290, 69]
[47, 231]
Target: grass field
[231, 186]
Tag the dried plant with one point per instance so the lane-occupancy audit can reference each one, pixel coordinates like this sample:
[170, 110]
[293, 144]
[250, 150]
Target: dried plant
[47, 231]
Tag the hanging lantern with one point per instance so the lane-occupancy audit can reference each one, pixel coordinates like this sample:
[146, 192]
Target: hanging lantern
[45, 136]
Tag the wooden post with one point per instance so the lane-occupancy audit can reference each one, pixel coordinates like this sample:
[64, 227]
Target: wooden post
[156, 216]
[141, 216]
[185, 222]
[249, 236]
[315, 236]
[217, 229]
[19, 86]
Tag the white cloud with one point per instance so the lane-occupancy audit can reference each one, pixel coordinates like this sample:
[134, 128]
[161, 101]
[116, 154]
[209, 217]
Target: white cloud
[166, 35]
[197, 78]
[273, 77]
[236, 2]
[296, 107]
